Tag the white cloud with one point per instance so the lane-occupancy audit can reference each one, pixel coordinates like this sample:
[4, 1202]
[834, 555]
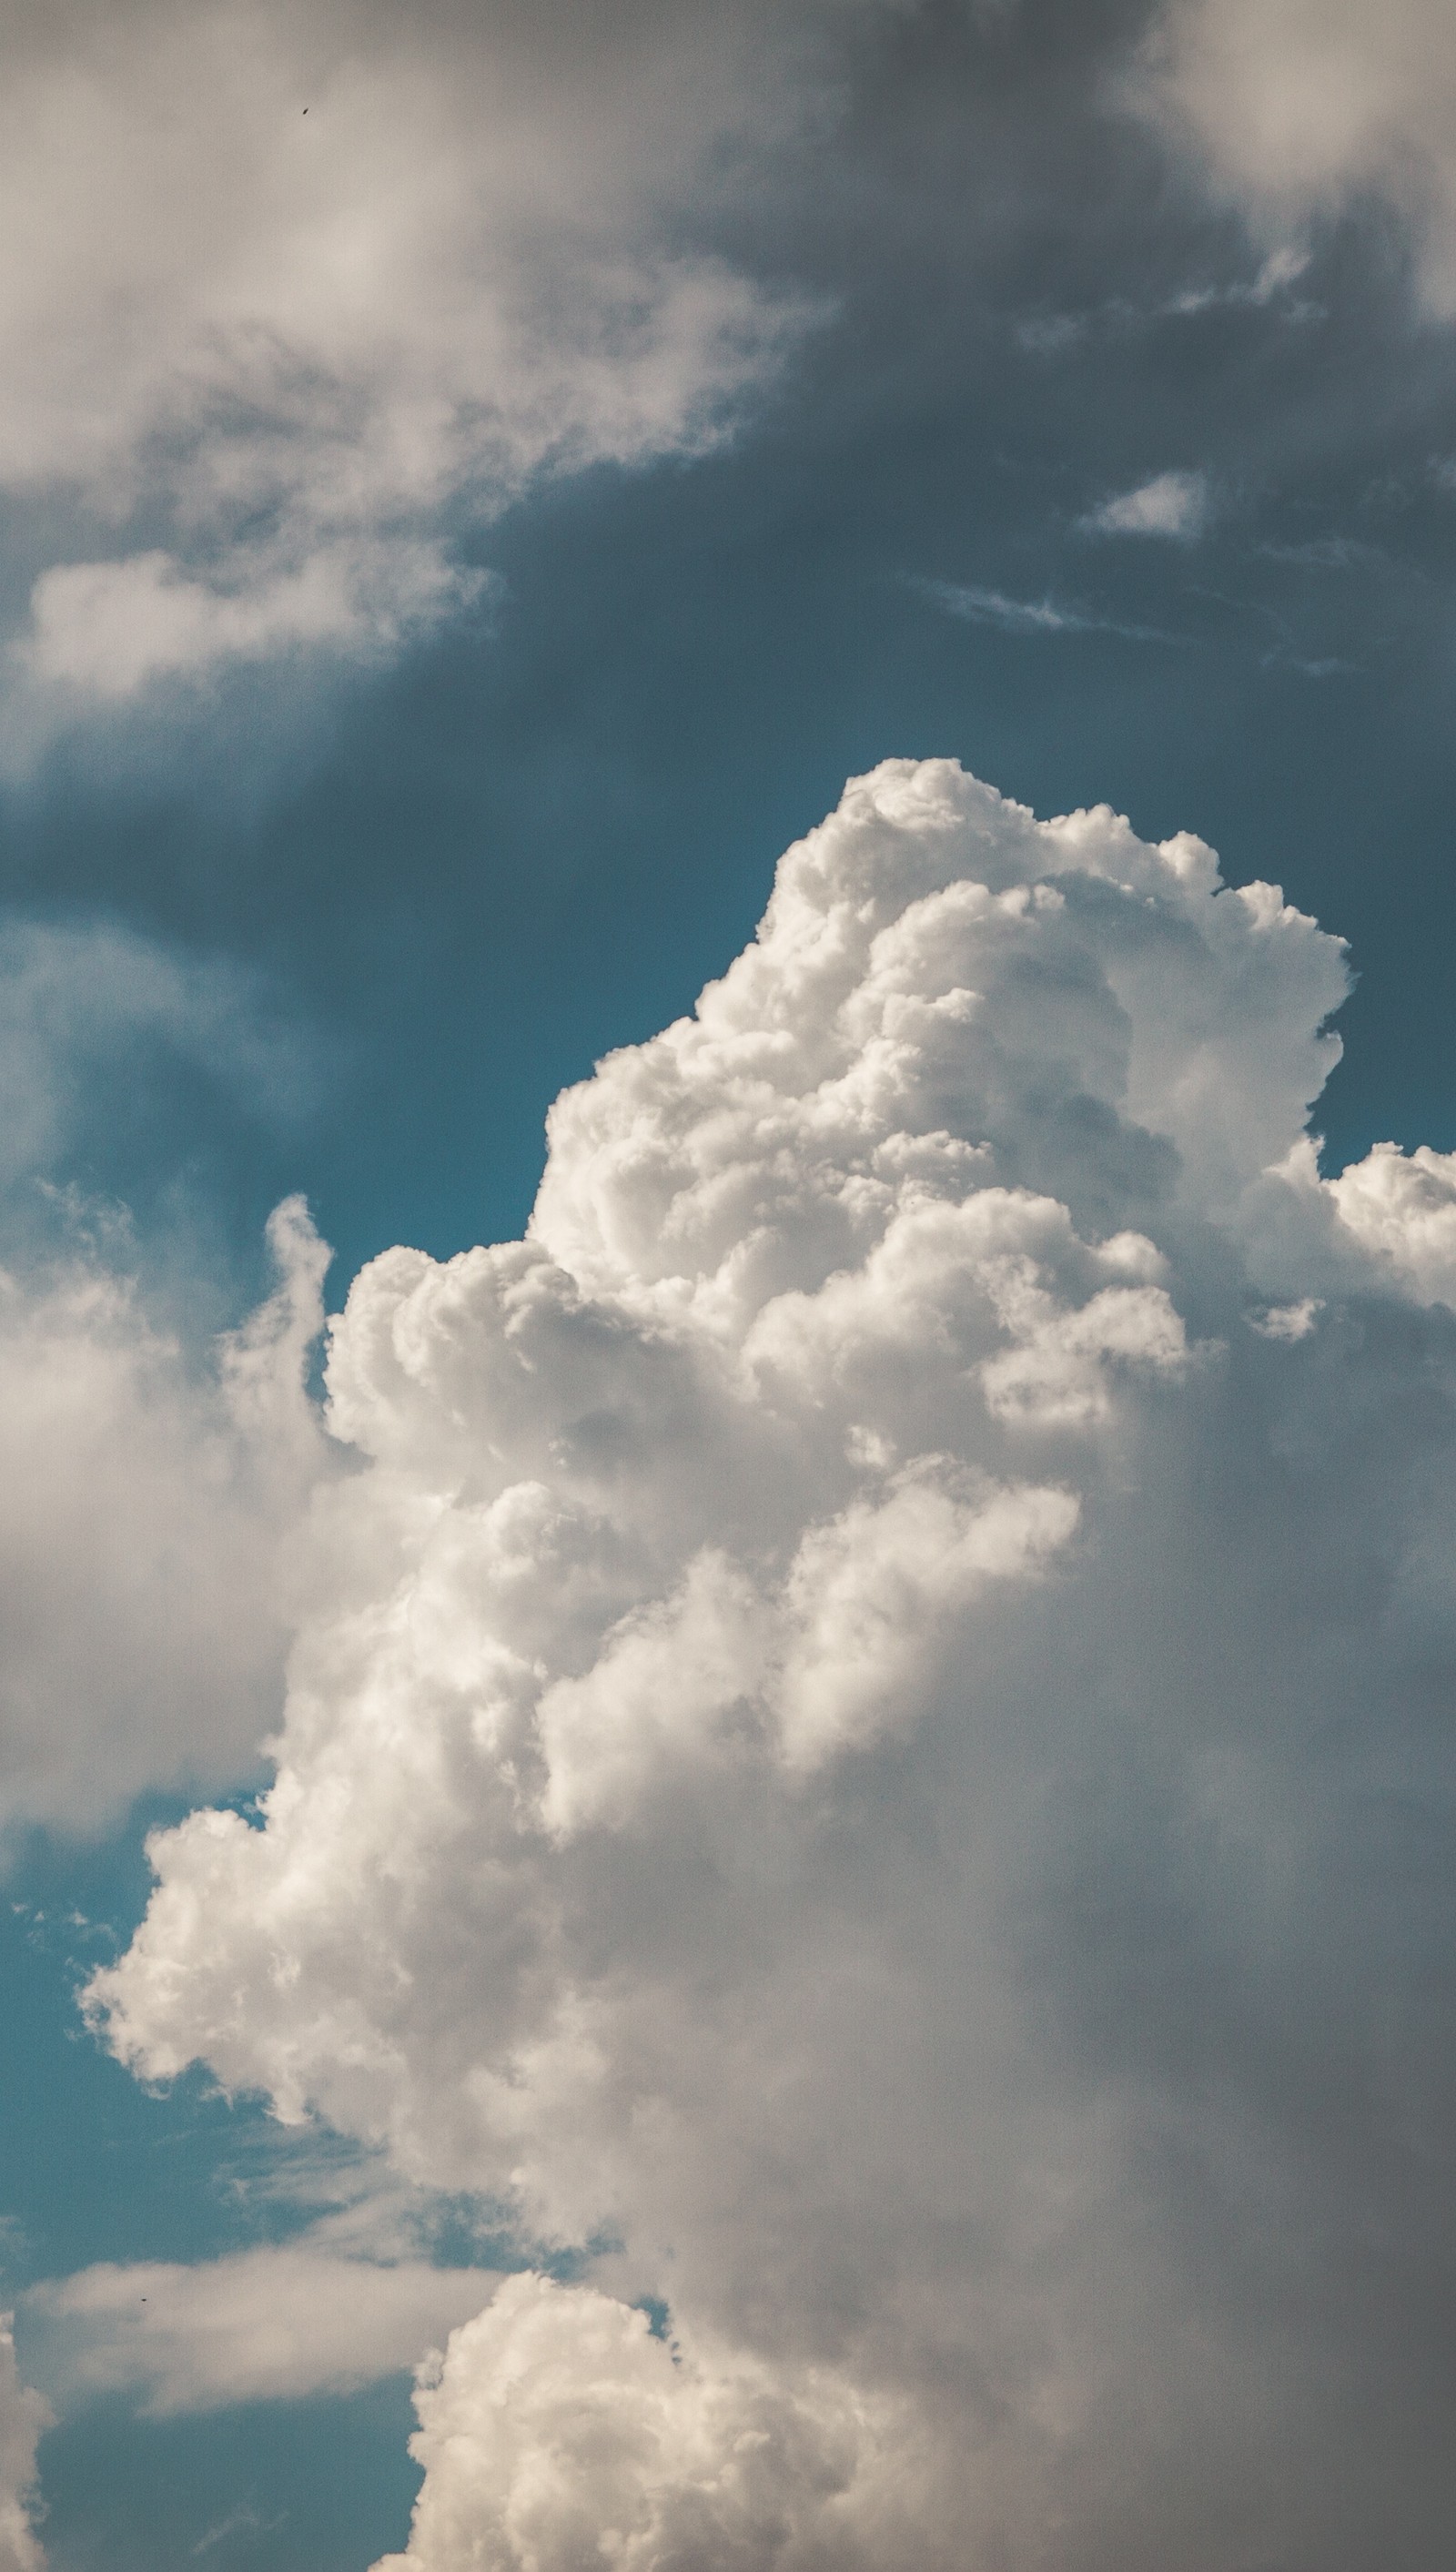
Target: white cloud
[264, 367]
[263, 2324]
[150, 1512]
[1301, 105]
[111, 627]
[1171, 504]
[23, 2415]
[559, 2433]
[859, 1733]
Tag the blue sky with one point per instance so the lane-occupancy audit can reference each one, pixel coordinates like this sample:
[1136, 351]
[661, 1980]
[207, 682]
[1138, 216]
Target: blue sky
[450, 547]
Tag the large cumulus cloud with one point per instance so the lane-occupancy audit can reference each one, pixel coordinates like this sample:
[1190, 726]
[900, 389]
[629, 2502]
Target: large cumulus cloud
[871, 1747]
[653, 2458]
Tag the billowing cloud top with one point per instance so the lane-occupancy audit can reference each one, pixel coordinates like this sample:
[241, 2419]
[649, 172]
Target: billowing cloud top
[872, 1731]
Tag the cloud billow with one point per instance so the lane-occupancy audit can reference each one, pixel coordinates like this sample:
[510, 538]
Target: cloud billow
[871, 1731]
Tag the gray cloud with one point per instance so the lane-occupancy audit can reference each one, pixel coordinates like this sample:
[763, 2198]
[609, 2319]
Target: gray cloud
[1299, 109]
[266, 438]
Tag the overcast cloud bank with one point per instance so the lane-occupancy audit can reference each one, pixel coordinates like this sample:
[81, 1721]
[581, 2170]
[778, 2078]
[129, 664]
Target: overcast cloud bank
[874, 1730]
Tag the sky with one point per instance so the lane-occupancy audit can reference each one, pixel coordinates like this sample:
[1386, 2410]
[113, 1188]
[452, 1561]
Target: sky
[727, 1285]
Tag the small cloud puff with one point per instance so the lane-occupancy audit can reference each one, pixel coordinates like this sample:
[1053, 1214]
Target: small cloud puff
[1174, 504]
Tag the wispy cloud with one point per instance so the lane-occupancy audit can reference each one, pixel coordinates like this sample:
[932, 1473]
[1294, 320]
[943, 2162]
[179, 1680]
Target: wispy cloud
[1050, 335]
[1329, 667]
[243, 2521]
[1281, 270]
[1322, 554]
[978, 606]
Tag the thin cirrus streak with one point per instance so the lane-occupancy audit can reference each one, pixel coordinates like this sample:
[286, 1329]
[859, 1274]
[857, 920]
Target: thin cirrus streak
[980, 606]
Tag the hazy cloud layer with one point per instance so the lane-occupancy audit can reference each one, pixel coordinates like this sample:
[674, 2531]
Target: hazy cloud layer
[1303, 105]
[286, 292]
[90, 1008]
[874, 1728]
